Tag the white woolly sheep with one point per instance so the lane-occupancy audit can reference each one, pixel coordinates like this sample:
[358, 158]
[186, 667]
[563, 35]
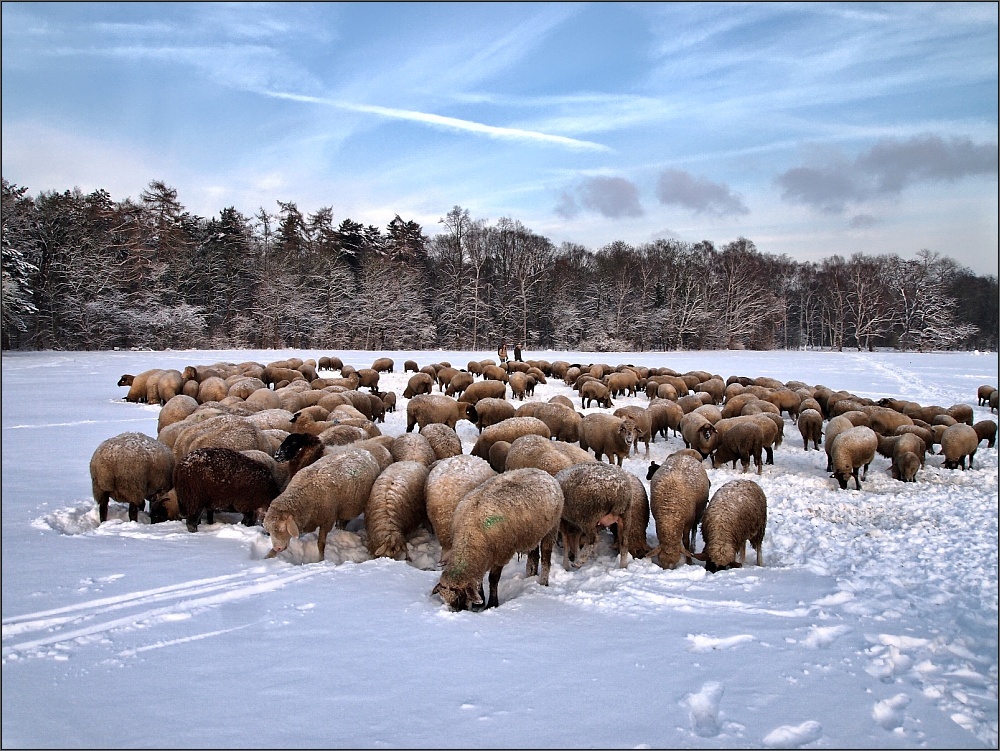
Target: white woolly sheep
[678, 496]
[131, 468]
[737, 514]
[331, 491]
[517, 511]
[395, 508]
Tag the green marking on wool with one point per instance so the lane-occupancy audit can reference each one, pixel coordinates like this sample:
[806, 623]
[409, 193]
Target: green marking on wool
[491, 520]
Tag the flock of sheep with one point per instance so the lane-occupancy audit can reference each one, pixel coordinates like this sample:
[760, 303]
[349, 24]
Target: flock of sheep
[295, 452]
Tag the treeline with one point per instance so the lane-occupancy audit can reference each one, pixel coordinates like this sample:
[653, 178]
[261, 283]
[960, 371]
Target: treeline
[83, 271]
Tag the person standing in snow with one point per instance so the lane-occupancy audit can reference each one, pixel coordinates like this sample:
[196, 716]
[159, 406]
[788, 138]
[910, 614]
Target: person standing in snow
[517, 352]
[502, 352]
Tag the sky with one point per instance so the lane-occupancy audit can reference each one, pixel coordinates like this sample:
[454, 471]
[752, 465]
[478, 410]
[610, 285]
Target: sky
[872, 623]
[812, 129]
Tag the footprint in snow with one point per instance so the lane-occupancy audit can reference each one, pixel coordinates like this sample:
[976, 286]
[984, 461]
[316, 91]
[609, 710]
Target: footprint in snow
[793, 736]
[703, 709]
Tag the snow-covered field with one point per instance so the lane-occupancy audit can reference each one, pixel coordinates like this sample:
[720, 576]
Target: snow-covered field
[872, 624]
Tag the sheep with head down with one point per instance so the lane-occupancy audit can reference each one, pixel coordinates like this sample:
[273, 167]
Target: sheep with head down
[131, 468]
[331, 491]
[736, 514]
[679, 493]
[517, 511]
[396, 507]
[447, 483]
[425, 409]
[564, 422]
[508, 430]
[958, 442]
[850, 451]
[595, 494]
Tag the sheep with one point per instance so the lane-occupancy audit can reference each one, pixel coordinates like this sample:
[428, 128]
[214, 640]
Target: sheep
[712, 413]
[983, 393]
[664, 415]
[484, 390]
[278, 471]
[891, 446]
[368, 378]
[217, 479]
[494, 373]
[459, 383]
[518, 383]
[622, 383]
[736, 514]
[595, 494]
[699, 433]
[447, 483]
[785, 400]
[986, 430]
[678, 496]
[427, 408]
[443, 440]
[508, 430]
[610, 435]
[243, 387]
[332, 490]
[595, 391]
[637, 544]
[994, 401]
[884, 420]
[851, 450]
[163, 386]
[924, 434]
[498, 456]
[743, 440]
[517, 511]
[691, 402]
[810, 424]
[389, 400]
[413, 447]
[833, 428]
[137, 384]
[643, 424]
[714, 387]
[275, 374]
[957, 442]
[960, 412]
[905, 466]
[946, 420]
[395, 508]
[383, 365]
[537, 451]
[131, 468]
[491, 410]
[563, 400]
[564, 422]
[175, 410]
[342, 435]
[224, 431]
[262, 399]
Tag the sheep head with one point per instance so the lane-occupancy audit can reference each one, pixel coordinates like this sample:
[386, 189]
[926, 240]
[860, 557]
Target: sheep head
[458, 596]
[628, 431]
[653, 466]
[282, 528]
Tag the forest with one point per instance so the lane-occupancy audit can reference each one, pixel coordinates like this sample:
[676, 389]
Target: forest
[87, 272]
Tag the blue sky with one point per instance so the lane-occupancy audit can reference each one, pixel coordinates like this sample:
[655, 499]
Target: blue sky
[811, 129]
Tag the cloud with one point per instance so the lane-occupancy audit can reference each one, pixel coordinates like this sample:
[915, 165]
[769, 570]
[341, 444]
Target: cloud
[445, 122]
[864, 221]
[567, 208]
[887, 168]
[611, 197]
[698, 194]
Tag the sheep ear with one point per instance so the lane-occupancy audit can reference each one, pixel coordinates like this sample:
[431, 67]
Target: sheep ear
[437, 588]
[292, 527]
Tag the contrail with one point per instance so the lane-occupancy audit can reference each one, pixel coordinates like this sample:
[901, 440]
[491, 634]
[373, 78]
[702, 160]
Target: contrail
[446, 122]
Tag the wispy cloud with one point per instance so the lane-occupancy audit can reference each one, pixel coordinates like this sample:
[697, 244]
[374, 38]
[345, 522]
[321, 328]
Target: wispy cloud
[442, 121]
[887, 168]
[701, 195]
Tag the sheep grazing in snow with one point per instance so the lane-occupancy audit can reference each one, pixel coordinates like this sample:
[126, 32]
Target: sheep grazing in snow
[331, 491]
[810, 425]
[443, 440]
[699, 433]
[737, 514]
[508, 430]
[595, 494]
[383, 365]
[741, 439]
[957, 442]
[518, 511]
[982, 393]
[564, 422]
[419, 383]
[595, 391]
[679, 493]
[425, 409]
[491, 411]
[483, 390]
[413, 447]
[987, 431]
[395, 508]
[851, 450]
[447, 483]
[131, 468]
[541, 452]
[220, 479]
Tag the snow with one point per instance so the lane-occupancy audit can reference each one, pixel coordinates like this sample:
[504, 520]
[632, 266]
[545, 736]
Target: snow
[872, 624]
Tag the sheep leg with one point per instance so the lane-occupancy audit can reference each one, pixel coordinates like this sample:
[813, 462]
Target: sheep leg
[210, 515]
[192, 522]
[548, 542]
[857, 482]
[495, 572]
[321, 541]
[770, 454]
[102, 506]
[133, 510]
[531, 567]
